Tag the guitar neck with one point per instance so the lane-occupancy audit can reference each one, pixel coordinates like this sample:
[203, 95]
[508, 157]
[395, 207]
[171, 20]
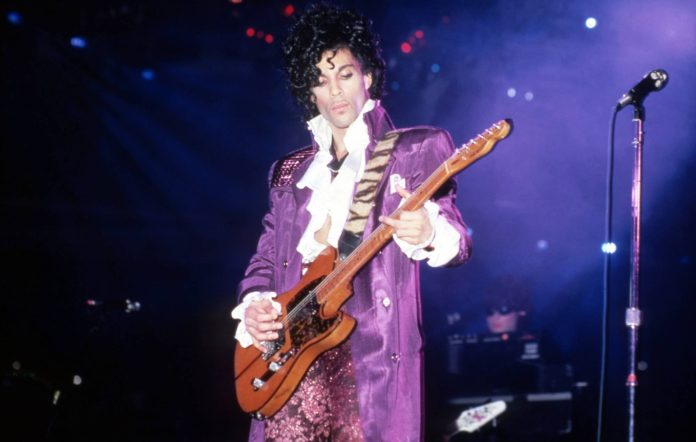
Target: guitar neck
[345, 271]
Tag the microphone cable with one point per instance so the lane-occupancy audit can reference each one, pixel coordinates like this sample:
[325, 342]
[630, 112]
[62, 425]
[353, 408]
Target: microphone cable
[608, 249]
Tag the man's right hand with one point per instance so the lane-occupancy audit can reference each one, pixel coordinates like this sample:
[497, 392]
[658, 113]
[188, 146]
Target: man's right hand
[260, 319]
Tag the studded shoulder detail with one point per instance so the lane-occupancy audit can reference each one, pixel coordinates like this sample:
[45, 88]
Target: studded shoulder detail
[284, 168]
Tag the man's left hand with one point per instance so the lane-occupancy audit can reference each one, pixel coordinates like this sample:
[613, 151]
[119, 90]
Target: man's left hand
[412, 226]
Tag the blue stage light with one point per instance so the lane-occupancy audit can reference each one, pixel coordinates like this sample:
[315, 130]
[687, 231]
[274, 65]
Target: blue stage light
[609, 247]
[435, 68]
[542, 244]
[395, 86]
[529, 96]
[14, 17]
[590, 23]
[511, 92]
[78, 42]
[148, 74]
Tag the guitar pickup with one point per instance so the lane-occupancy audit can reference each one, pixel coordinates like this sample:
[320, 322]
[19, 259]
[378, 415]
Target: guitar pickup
[277, 365]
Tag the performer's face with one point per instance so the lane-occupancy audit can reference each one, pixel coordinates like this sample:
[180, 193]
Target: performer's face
[342, 89]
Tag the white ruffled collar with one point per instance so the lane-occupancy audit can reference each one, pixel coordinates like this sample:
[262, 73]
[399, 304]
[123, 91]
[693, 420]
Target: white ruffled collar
[332, 197]
[356, 140]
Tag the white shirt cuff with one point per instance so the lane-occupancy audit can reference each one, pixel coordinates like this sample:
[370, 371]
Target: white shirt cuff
[443, 242]
[242, 335]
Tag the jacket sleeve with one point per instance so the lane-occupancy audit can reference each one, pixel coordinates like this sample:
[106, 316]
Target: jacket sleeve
[434, 150]
[260, 273]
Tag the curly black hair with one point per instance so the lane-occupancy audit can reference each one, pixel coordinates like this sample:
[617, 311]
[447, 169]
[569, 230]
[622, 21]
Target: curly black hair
[324, 27]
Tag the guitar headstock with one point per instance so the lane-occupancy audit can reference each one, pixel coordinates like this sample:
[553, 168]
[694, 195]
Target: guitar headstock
[479, 146]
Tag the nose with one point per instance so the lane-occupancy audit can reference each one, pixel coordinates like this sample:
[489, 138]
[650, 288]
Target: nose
[335, 88]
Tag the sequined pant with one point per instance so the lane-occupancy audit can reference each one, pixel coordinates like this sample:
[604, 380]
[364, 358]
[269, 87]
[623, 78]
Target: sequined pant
[325, 405]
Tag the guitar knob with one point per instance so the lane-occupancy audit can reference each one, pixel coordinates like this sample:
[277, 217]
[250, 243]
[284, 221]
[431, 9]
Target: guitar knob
[257, 383]
[274, 366]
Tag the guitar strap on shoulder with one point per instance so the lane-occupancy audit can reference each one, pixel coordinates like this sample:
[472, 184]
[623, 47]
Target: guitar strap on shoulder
[364, 197]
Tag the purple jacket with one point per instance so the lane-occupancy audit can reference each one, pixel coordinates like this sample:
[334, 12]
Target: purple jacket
[387, 343]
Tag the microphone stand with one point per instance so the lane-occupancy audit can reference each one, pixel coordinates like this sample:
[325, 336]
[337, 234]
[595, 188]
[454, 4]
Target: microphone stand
[633, 313]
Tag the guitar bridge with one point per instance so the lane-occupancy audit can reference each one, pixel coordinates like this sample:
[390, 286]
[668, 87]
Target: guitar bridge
[273, 367]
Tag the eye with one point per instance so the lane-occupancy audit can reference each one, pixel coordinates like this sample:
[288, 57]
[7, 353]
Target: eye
[346, 75]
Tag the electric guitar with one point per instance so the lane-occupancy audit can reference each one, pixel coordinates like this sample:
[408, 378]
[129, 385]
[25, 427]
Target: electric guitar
[310, 312]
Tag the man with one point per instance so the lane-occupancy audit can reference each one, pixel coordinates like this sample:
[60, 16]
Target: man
[369, 387]
[507, 303]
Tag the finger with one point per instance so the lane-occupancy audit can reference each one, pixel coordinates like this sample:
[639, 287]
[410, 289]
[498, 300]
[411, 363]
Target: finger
[266, 317]
[259, 345]
[263, 306]
[268, 326]
[403, 192]
[390, 221]
[413, 215]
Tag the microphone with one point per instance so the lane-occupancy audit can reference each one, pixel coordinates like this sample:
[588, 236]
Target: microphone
[651, 82]
[125, 305]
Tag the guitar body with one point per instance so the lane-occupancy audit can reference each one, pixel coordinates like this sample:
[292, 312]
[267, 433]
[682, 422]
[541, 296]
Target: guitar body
[313, 330]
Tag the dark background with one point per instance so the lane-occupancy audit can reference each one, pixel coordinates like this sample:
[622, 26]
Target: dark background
[135, 168]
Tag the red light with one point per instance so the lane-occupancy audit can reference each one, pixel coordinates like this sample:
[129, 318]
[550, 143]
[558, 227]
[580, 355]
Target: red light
[419, 34]
[259, 34]
[250, 32]
[406, 48]
[269, 38]
[288, 10]
[235, 2]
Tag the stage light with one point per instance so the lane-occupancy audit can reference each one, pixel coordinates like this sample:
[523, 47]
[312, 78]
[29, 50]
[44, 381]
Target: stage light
[608, 247]
[14, 17]
[260, 34]
[529, 96]
[406, 48]
[435, 68]
[77, 380]
[148, 74]
[395, 86]
[470, 231]
[288, 10]
[511, 92]
[542, 244]
[419, 34]
[78, 42]
[235, 2]
[269, 38]
[590, 23]
[16, 365]
[250, 32]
